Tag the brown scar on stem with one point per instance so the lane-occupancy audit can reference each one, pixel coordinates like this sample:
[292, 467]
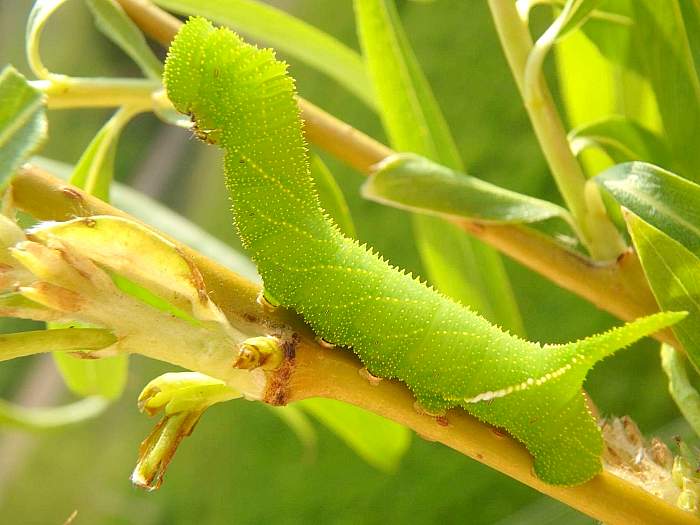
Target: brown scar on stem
[64, 300]
[195, 277]
[277, 390]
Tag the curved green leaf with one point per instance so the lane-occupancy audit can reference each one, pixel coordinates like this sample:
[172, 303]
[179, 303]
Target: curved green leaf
[331, 197]
[662, 42]
[679, 386]
[95, 169]
[287, 34]
[48, 418]
[38, 16]
[119, 28]
[673, 273]
[468, 271]
[379, 441]
[662, 199]
[417, 184]
[623, 140]
[23, 123]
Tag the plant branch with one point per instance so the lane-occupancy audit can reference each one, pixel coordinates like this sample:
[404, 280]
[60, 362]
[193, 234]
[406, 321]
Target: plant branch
[315, 371]
[599, 234]
[69, 92]
[618, 287]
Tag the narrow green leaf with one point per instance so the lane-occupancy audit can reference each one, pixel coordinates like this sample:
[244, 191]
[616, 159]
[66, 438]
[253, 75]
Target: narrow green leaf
[679, 386]
[623, 140]
[331, 197]
[64, 340]
[105, 377]
[23, 124]
[379, 441]
[662, 199]
[417, 184]
[120, 29]
[38, 16]
[458, 266]
[664, 49]
[95, 169]
[288, 35]
[673, 273]
[37, 419]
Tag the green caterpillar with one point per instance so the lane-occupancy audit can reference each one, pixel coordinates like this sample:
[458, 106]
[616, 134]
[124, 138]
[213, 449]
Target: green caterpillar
[241, 98]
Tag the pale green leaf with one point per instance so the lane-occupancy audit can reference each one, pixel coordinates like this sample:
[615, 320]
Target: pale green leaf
[331, 197]
[417, 184]
[64, 340]
[664, 200]
[48, 418]
[119, 28]
[38, 16]
[105, 377]
[664, 50]
[22, 120]
[95, 169]
[466, 270]
[288, 35]
[379, 441]
[622, 140]
[673, 273]
[680, 387]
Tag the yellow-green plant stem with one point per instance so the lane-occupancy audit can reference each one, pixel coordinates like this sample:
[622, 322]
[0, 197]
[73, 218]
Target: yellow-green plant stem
[599, 234]
[64, 92]
[315, 371]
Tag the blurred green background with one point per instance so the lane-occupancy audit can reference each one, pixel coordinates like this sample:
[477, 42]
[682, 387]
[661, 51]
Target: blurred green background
[243, 465]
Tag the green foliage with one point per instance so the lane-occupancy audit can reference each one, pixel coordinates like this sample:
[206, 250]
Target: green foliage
[415, 183]
[119, 28]
[672, 271]
[380, 442]
[468, 272]
[661, 198]
[22, 121]
[279, 220]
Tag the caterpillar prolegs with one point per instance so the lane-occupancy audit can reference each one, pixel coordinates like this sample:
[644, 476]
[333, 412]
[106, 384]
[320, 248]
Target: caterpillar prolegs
[242, 99]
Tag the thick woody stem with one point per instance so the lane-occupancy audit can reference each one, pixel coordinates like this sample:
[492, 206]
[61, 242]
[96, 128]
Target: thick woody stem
[314, 371]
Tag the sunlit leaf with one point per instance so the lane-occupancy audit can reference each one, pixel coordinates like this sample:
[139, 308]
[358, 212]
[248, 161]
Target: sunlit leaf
[331, 197]
[673, 273]
[288, 35]
[662, 199]
[680, 387]
[623, 140]
[113, 22]
[95, 169]
[379, 441]
[467, 271]
[415, 183]
[665, 52]
[47, 418]
[22, 121]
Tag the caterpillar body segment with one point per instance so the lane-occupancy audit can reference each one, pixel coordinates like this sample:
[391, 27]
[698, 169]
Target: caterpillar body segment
[400, 328]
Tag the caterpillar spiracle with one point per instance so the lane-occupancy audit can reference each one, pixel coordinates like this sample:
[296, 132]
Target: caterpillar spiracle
[241, 98]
